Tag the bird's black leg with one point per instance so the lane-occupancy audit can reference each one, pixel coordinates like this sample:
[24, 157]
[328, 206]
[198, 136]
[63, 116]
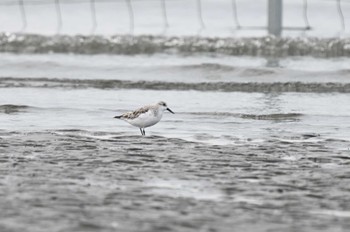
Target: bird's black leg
[144, 132]
[141, 131]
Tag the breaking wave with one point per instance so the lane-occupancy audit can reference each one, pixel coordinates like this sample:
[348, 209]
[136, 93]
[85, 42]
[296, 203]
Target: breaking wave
[312, 87]
[129, 45]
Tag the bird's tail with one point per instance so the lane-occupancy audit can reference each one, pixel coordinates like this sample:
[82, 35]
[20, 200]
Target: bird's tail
[118, 116]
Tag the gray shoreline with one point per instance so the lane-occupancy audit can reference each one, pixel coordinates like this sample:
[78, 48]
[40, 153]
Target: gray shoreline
[63, 181]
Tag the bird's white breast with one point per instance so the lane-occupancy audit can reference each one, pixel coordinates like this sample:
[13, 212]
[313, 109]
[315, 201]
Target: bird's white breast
[146, 119]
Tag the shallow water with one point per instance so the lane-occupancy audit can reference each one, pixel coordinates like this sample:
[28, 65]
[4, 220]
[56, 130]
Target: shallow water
[255, 143]
[226, 117]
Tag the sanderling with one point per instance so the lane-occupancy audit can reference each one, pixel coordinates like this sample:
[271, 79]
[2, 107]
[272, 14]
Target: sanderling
[146, 116]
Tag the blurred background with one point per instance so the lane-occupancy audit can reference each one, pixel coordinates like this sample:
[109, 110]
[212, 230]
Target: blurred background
[324, 18]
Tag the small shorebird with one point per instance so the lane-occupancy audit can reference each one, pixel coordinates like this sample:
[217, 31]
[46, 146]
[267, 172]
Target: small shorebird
[146, 116]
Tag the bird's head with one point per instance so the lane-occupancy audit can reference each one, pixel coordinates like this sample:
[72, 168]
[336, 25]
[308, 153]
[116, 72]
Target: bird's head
[164, 106]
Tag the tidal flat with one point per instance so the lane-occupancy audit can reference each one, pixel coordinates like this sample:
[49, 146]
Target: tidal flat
[64, 180]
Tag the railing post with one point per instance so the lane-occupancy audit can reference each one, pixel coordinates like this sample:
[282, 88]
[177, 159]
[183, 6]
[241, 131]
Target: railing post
[275, 17]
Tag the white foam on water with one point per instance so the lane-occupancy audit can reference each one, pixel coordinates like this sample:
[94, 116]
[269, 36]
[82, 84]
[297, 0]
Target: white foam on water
[182, 188]
[332, 213]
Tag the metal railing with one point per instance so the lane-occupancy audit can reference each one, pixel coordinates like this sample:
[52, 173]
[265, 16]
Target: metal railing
[274, 14]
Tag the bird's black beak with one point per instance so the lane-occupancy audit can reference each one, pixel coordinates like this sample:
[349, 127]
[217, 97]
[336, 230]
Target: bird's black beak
[170, 110]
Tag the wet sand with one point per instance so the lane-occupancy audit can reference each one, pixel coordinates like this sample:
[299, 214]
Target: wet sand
[67, 181]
